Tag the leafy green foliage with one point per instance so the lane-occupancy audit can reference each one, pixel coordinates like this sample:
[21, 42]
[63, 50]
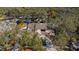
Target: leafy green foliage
[33, 41]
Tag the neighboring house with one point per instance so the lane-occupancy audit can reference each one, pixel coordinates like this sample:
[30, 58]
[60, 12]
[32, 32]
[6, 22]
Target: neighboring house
[36, 26]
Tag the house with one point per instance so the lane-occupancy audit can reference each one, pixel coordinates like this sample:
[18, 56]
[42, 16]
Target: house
[36, 26]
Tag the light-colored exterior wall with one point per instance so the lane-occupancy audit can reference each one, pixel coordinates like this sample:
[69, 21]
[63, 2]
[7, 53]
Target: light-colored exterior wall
[37, 26]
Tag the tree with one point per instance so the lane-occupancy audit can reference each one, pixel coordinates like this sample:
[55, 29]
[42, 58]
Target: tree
[31, 40]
